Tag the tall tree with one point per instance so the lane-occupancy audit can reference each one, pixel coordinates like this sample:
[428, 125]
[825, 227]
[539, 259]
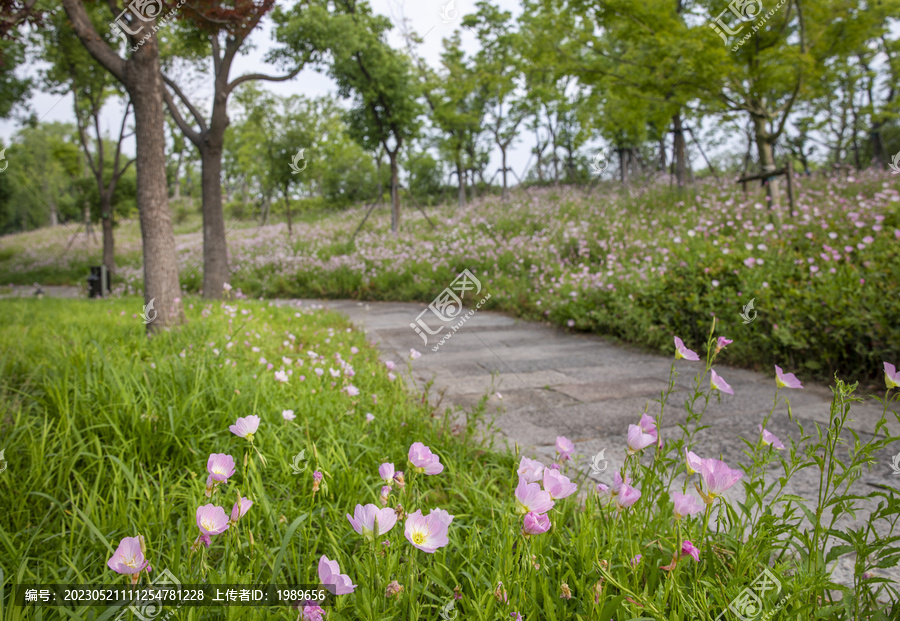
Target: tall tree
[213, 32]
[140, 74]
[498, 62]
[350, 40]
[73, 70]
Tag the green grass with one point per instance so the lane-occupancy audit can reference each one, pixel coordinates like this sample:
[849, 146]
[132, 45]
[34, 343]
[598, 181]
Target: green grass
[107, 435]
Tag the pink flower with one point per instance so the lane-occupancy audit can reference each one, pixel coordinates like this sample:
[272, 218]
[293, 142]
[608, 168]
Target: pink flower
[564, 448]
[638, 440]
[317, 476]
[627, 496]
[386, 471]
[415, 355]
[717, 477]
[686, 505]
[428, 533]
[558, 485]
[385, 493]
[722, 343]
[245, 427]
[693, 462]
[371, 522]
[288, 415]
[354, 350]
[535, 524]
[390, 365]
[204, 539]
[281, 376]
[689, 549]
[370, 417]
[211, 520]
[310, 611]
[618, 482]
[352, 390]
[531, 498]
[770, 438]
[683, 352]
[220, 466]
[647, 425]
[424, 460]
[718, 383]
[331, 578]
[636, 559]
[240, 509]
[786, 380]
[531, 470]
[891, 376]
[128, 557]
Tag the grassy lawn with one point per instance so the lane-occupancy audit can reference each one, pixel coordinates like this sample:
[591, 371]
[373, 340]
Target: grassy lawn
[637, 264]
[107, 435]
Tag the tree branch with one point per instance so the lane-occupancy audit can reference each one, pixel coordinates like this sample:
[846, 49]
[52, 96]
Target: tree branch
[95, 44]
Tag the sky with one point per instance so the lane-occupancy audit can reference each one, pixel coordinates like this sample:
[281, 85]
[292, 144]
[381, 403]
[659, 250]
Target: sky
[433, 20]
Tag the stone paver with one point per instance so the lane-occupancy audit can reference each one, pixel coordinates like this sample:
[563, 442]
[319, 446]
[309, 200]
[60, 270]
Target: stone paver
[553, 382]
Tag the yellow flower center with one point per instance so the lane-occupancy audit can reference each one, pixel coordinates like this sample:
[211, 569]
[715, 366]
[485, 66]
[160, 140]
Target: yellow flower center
[208, 524]
[130, 562]
[418, 538]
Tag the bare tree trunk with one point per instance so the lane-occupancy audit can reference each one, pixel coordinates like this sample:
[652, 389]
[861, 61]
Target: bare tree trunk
[215, 250]
[679, 148]
[161, 281]
[106, 216]
[503, 159]
[176, 189]
[662, 153]
[766, 154]
[623, 173]
[395, 192]
[287, 210]
[461, 183]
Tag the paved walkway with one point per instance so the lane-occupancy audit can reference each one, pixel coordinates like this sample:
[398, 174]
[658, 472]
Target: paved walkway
[554, 382]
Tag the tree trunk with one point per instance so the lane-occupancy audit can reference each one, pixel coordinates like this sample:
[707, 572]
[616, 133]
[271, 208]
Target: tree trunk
[161, 282]
[662, 153]
[287, 210]
[879, 159]
[679, 150]
[764, 148]
[380, 186]
[215, 249]
[395, 192]
[460, 183]
[503, 159]
[623, 174]
[106, 217]
[176, 189]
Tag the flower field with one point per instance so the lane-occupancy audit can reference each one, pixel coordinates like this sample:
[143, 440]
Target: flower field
[261, 444]
[638, 264]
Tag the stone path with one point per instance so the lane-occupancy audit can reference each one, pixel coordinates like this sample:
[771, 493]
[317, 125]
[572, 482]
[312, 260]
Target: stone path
[554, 382]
